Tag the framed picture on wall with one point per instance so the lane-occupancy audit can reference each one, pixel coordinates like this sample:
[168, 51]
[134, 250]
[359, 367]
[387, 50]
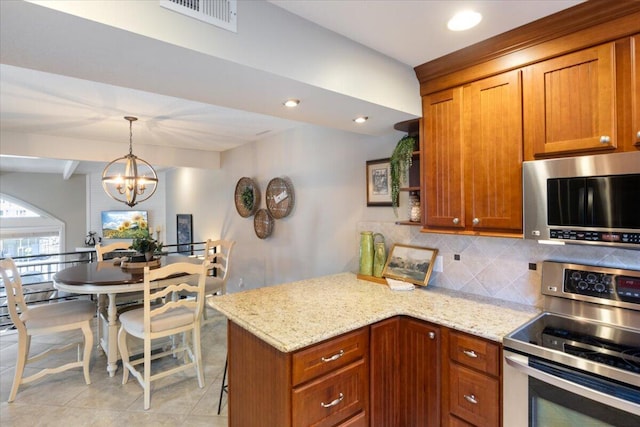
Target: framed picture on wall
[379, 182]
[184, 229]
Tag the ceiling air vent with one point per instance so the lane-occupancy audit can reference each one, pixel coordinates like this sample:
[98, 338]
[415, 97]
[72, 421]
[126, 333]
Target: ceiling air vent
[221, 13]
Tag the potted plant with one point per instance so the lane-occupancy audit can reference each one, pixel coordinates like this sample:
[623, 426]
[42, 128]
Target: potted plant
[400, 162]
[147, 246]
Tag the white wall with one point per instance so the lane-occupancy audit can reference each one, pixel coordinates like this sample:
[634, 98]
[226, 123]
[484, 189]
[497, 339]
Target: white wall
[327, 169]
[63, 199]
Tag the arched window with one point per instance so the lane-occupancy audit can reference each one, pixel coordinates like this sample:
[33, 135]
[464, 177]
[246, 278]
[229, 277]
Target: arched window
[26, 230]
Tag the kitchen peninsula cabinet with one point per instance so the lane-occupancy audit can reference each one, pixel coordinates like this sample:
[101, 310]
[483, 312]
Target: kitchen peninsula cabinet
[405, 373]
[325, 384]
[473, 157]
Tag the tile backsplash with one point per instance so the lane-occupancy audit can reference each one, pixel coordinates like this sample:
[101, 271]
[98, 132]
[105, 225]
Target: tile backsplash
[497, 267]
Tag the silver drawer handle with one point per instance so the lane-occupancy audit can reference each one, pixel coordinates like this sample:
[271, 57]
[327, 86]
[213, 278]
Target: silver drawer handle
[334, 402]
[605, 139]
[470, 353]
[471, 399]
[334, 357]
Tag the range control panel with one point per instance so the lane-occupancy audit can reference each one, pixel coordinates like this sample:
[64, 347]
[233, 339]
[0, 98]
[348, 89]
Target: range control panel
[602, 285]
[591, 283]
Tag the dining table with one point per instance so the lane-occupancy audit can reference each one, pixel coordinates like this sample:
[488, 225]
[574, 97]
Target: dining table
[109, 278]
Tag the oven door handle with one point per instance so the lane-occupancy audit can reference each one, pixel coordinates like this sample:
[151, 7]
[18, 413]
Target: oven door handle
[521, 364]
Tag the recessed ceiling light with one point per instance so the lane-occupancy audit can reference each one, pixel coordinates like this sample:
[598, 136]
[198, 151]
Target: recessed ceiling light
[464, 20]
[291, 103]
[361, 119]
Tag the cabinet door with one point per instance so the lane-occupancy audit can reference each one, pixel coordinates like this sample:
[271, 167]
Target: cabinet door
[635, 83]
[442, 159]
[493, 146]
[419, 374]
[569, 103]
[384, 378]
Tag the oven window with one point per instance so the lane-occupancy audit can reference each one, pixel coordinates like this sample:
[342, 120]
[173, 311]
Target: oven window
[552, 406]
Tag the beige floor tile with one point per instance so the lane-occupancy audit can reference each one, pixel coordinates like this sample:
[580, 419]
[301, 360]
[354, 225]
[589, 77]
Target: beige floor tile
[65, 400]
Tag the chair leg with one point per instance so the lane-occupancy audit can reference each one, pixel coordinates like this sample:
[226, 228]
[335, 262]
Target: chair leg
[124, 354]
[224, 388]
[198, 355]
[21, 361]
[147, 372]
[88, 345]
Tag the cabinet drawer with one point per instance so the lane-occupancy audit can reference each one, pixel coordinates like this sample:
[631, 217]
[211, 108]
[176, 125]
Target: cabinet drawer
[329, 355]
[359, 420]
[474, 397]
[333, 398]
[452, 421]
[475, 353]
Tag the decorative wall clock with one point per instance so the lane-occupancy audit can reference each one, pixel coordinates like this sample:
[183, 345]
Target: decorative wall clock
[280, 197]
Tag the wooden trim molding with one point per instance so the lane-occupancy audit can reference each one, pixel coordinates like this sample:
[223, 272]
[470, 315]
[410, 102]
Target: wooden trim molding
[592, 22]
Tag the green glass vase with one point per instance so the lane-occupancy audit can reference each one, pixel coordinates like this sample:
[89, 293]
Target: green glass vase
[366, 253]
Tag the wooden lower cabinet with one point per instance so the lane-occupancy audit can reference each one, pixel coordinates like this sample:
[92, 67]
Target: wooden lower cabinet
[400, 372]
[405, 373]
[471, 384]
[326, 384]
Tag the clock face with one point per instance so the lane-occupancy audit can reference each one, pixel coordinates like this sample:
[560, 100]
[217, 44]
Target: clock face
[280, 198]
[263, 223]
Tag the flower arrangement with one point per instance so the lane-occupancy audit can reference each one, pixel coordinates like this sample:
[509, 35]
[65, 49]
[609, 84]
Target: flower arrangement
[145, 245]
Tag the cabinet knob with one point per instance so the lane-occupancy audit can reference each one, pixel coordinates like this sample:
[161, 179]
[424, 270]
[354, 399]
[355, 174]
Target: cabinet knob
[471, 399]
[605, 139]
[638, 136]
[476, 221]
[456, 221]
[432, 335]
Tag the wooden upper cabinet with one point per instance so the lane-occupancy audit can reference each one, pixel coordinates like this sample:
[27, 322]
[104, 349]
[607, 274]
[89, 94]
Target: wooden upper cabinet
[569, 103]
[473, 157]
[635, 85]
[493, 149]
[442, 161]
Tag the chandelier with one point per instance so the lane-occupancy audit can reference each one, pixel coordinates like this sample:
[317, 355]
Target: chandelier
[129, 179]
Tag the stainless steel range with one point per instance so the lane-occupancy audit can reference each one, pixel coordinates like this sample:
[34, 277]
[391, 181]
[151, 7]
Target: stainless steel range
[578, 363]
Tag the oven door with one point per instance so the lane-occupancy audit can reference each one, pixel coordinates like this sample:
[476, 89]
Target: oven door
[538, 393]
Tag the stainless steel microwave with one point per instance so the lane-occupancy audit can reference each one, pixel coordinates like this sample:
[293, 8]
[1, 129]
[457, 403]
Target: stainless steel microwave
[584, 200]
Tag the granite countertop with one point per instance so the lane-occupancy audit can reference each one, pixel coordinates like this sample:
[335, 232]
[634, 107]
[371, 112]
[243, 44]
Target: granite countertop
[295, 315]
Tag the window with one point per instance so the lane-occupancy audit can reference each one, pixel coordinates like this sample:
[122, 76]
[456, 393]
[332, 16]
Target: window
[24, 231]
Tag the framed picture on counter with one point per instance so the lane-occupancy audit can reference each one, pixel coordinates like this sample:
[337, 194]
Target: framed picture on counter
[411, 264]
[379, 182]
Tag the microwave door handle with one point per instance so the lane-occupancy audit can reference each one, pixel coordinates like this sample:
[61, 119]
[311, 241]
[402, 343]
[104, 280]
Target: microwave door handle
[590, 212]
[581, 205]
[520, 363]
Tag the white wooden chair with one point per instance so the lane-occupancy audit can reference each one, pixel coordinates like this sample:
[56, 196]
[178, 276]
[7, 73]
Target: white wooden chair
[218, 253]
[101, 250]
[174, 316]
[45, 319]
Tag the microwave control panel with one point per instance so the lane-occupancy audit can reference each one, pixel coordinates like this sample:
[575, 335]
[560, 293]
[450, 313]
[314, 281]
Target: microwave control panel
[596, 236]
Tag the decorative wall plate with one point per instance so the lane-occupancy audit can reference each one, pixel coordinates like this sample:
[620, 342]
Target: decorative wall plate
[263, 223]
[280, 197]
[246, 189]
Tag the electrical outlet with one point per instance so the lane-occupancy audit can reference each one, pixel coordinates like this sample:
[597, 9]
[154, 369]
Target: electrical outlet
[438, 266]
[241, 283]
